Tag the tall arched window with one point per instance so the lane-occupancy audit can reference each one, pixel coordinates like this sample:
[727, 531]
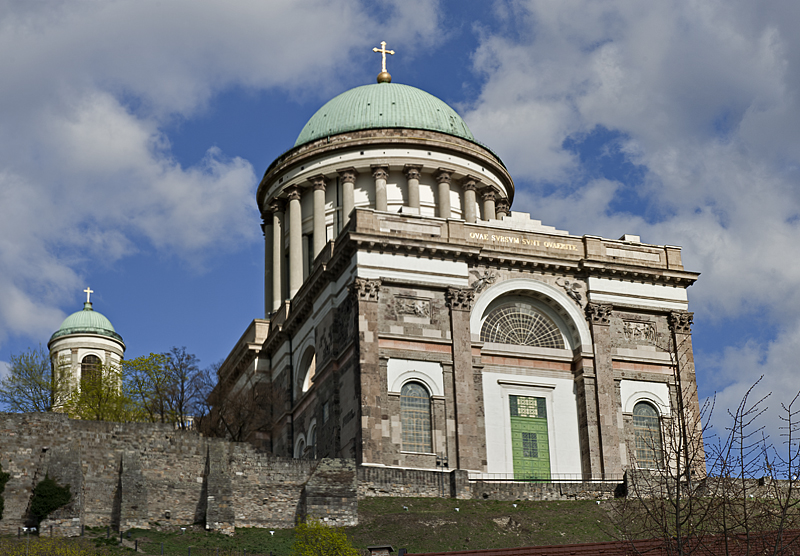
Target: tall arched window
[90, 369]
[647, 435]
[521, 324]
[415, 417]
[312, 442]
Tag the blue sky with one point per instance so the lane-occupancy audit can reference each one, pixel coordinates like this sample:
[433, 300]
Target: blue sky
[133, 135]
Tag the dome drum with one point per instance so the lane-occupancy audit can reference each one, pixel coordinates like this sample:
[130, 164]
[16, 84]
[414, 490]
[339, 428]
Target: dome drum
[387, 147]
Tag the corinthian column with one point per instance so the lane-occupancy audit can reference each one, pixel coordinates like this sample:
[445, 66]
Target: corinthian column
[443, 179]
[469, 185]
[412, 175]
[488, 205]
[320, 237]
[295, 242]
[381, 174]
[278, 254]
[348, 176]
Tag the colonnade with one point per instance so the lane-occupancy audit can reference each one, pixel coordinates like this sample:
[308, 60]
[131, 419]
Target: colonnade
[277, 274]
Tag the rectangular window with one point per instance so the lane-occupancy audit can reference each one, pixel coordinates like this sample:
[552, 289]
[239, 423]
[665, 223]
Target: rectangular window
[325, 412]
[523, 406]
[529, 447]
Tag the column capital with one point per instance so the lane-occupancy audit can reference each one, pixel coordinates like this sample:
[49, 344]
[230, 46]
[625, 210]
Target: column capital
[503, 205]
[380, 171]
[412, 171]
[318, 182]
[276, 205]
[460, 299]
[443, 175]
[681, 322]
[293, 194]
[599, 313]
[366, 290]
[488, 194]
[348, 175]
[470, 183]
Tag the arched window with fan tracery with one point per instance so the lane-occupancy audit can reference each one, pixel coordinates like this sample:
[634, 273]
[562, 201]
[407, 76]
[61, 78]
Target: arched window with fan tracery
[521, 324]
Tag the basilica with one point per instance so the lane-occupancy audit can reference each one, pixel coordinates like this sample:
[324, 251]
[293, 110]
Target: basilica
[412, 319]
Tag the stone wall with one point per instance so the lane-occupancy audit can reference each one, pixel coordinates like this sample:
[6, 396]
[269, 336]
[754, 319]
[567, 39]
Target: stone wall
[489, 490]
[137, 475]
[141, 475]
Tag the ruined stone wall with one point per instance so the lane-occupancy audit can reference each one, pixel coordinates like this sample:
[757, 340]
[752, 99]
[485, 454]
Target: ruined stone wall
[138, 474]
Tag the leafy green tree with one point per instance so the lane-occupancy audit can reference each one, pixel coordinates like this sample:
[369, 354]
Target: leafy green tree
[102, 398]
[312, 538]
[166, 387]
[148, 385]
[47, 497]
[33, 384]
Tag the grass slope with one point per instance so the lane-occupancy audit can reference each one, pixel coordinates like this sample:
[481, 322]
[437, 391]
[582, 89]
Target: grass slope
[429, 525]
[432, 525]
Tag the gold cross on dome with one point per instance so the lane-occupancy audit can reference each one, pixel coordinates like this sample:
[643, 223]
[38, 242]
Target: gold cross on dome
[88, 292]
[383, 52]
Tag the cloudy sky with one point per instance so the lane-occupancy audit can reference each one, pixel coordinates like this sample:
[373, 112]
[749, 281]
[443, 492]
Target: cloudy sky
[133, 134]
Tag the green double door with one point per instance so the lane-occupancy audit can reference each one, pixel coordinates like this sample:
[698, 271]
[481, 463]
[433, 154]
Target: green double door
[530, 445]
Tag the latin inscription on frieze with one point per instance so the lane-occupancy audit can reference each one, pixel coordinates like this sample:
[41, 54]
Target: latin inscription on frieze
[520, 240]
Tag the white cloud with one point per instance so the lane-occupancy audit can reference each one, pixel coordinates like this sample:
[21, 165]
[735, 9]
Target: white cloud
[88, 88]
[705, 96]
[4, 369]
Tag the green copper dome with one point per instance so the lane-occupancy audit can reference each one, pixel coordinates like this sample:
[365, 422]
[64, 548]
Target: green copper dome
[87, 321]
[383, 105]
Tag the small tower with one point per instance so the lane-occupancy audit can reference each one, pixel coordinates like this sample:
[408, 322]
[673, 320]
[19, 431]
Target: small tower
[85, 341]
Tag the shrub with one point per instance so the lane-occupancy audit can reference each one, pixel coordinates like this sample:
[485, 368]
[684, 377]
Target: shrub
[315, 539]
[47, 497]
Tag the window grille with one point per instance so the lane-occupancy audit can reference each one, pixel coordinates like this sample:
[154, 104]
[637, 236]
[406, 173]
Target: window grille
[529, 447]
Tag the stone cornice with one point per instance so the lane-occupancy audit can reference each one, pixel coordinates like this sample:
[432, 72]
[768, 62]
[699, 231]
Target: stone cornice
[336, 258]
[389, 136]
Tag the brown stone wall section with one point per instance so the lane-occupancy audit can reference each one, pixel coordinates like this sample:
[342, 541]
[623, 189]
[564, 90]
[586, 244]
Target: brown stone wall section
[608, 410]
[588, 426]
[688, 402]
[470, 431]
[368, 440]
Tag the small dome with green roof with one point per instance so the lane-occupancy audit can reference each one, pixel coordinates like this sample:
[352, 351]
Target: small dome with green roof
[383, 105]
[87, 321]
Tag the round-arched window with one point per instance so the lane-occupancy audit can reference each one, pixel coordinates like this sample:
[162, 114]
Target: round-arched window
[90, 369]
[300, 448]
[312, 442]
[415, 417]
[521, 324]
[647, 436]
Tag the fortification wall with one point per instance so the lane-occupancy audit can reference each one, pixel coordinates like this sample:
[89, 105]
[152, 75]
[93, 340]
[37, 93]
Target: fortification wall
[137, 474]
[127, 475]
